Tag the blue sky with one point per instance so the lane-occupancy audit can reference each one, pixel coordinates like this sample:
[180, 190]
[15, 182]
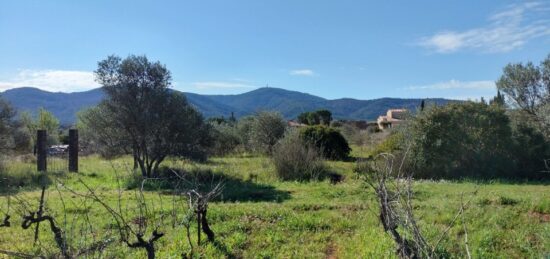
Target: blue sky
[334, 49]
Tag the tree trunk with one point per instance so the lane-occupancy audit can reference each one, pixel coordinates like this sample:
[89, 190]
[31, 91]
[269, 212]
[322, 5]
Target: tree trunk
[198, 228]
[142, 167]
[205, 228]
[135, 161]
[150, 169]
[150, 248]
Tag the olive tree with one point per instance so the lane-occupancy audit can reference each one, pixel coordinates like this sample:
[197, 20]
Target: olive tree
[527, 87]
[98, 133]
[266, 130]
[155, 122]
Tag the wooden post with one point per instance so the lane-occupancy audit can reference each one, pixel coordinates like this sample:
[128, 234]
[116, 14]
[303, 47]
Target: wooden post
[73, 150]
[41, 150]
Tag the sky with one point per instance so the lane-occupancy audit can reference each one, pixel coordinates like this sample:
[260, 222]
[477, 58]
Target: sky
[333, 49]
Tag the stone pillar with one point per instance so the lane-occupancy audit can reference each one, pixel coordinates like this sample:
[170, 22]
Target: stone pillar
[41, 150]
[73, 150]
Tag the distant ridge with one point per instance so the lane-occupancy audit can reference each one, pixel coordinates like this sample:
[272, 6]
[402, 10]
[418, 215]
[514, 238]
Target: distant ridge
[289, 103]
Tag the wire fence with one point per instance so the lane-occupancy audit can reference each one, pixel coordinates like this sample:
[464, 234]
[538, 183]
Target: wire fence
[45, 157]
[56, 162]
[57, 159]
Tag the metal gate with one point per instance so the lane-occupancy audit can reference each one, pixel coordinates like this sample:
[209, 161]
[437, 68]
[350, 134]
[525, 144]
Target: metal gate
[56, 158]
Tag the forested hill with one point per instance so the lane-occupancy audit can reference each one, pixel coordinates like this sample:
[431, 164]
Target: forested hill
[289, 103]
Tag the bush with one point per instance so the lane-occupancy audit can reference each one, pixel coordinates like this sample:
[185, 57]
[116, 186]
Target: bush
[244, 131]
[530, 149]
[473, 140]
[225, 138]
[266, 130]
[295, 159]
[329, 141]
[390, 144]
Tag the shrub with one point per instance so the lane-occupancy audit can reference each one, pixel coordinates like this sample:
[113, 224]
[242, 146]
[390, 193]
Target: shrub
[474, 140]
[390, 144]
[329, 141]
[461, 140]
[354, 135]
[295, 159]
[323, 117]
[530, 149]
[225, 138]
[244, 131]
[266, 130]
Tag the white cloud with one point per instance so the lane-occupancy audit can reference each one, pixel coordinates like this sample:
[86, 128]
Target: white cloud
[455, 84]
[218, 85]
[454, 89]
[302, 72]
[51, 80]
[507, 30]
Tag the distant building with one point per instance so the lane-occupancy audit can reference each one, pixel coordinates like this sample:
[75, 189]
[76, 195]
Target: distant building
[392, 118]
[295, 124]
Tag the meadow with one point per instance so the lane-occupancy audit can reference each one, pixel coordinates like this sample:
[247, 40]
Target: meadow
[259, 216]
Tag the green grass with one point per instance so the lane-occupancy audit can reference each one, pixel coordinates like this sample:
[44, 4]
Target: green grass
[259, 216]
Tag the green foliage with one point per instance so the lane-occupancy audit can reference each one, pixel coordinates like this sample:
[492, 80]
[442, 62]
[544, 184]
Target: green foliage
[226, 138]
[266, 130]
[329, 141]
[473, 140]
[268, 217]
[244, 129]
[527, 87]
[391, 144]
[14, 137]
[529, 151]
[154, 122]
[498, 100]
[98, 133]
[7, 126]
[323, 117]
[44, 120]
[294, 159]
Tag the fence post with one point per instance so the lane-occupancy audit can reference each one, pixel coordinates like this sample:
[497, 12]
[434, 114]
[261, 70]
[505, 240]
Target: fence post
[73, 150]
[41, 150]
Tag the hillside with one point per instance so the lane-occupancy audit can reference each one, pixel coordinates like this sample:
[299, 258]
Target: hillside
[289, 103]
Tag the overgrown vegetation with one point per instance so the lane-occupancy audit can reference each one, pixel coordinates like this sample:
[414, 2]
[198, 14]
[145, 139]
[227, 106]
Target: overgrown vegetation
[328, 141]
[259, 215]
[296, 159]
[319, 117]
[474, 140]
[265, 192]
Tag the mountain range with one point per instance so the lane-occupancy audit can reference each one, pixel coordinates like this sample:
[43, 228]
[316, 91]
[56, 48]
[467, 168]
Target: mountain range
[289, 103]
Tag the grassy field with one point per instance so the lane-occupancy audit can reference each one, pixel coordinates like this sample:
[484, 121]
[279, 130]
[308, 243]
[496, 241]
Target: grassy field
[258, 216]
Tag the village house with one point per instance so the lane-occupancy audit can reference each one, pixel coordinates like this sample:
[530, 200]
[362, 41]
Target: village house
[393, 117]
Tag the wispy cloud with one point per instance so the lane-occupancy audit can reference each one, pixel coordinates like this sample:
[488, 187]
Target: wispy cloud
[51, 80]
[508, 29]
[302, 72]
[454, 89]
[455, 84]
[220, 84]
